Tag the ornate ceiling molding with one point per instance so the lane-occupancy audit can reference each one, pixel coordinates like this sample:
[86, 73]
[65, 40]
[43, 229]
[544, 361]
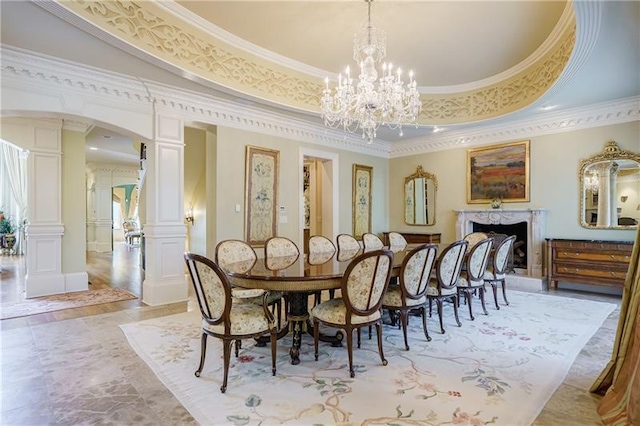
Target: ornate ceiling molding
[163, 35]
[49, 80]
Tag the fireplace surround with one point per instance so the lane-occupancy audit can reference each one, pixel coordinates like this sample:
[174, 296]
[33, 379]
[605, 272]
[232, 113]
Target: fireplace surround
[536, 224]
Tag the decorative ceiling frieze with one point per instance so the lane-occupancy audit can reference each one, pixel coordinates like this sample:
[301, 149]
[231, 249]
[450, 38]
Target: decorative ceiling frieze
[156, 31]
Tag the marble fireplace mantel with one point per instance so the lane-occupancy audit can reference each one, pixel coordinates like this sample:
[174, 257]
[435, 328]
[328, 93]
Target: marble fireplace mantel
[536, 224]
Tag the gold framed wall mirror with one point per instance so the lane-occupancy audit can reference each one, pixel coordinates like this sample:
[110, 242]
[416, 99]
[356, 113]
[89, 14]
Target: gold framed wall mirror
[420, 191]
[610, 189]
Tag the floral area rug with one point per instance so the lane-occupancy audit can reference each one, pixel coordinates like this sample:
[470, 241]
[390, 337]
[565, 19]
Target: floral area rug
[40, 305]
[499, 369]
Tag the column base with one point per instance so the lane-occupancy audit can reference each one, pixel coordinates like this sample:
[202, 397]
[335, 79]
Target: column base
[77, 281]
[163, 292]
[44, 285]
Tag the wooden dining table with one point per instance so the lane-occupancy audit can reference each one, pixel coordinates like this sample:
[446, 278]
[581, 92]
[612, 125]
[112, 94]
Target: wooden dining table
[299, 277]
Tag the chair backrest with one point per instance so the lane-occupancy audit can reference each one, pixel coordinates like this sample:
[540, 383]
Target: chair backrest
[235, 255]
[279, 247]
[501, 256]
[474, 238]
[397, 241]
[449, 264]
[347, 242]
[212, 288]
[478, 259]
[321, 244]
[129, 226]
[371, 242]
[416, 270]
[365, 282]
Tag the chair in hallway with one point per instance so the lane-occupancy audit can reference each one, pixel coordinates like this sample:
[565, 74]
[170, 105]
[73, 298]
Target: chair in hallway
[497, 272]
[371, 242]
[397, 242]
[347, 242]
[415, 274]
[472, 277]
[444, 285]
[362, 288]
[224, 319]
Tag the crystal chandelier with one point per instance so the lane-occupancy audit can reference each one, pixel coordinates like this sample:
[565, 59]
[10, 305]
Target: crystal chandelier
[370, 102]
[592, 182]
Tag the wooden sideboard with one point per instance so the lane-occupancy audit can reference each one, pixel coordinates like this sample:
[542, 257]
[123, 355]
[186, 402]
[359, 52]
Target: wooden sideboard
[600, 263]
[414, 238]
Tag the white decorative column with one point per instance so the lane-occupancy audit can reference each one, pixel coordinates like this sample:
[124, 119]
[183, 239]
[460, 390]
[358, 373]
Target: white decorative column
[44, 230]
[164, 230]
[102, 223]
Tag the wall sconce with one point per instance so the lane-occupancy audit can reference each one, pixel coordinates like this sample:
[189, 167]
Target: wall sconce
[188, 216]
[624, 198]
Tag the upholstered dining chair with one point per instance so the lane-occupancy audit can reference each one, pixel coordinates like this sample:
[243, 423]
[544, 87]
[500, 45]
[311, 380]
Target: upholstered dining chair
[321, 244]
[397, 242]
[363, 285]
[347, 242]
[222, 318]
[472, 277]
[321, 250]
[444, 285]
[474, 238]
[415, 273]
[239, 257]
[280, 247]
[371, 242]
[496, 273]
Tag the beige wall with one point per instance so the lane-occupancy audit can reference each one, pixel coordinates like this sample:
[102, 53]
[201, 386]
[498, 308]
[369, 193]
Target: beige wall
[554, 166]
[74, 201]
[231, 148]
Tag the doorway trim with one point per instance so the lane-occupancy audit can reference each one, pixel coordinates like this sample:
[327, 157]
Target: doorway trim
[335, 193]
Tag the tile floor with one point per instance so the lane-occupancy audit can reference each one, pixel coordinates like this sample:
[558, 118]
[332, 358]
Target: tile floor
[76, 367]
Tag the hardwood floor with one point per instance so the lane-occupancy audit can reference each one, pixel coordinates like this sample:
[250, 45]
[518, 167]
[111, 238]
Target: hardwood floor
[118, 269]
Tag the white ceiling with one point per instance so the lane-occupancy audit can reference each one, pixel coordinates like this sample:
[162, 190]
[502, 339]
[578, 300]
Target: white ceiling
[445, 42]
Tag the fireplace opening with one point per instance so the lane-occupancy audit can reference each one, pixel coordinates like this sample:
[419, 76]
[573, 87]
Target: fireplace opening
[519, 229]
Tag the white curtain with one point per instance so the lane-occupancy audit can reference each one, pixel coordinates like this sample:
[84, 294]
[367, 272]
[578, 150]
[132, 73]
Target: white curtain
[13, 185]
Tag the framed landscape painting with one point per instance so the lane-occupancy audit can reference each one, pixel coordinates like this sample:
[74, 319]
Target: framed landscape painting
[261, 194]
[498, 172]
[362, 183]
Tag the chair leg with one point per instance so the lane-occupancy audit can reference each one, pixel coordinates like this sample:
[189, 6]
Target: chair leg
[358, 332]
[379, 333]
[467, 293]
[423, 309]
[369, 332]
[352, 373]
[274, 346]
[495, 294]
[439, 306]
[316, 337]
[455, 311]
[203, 353]
[404, 320]
[226, 354]
[238, 347]
[504, 291]
[481, 295]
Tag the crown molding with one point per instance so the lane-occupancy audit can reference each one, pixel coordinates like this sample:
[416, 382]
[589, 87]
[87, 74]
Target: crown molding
[596, 115]
[41, 74]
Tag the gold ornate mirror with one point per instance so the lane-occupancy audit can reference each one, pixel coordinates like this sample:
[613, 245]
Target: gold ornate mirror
[610, 189]
[420, 198]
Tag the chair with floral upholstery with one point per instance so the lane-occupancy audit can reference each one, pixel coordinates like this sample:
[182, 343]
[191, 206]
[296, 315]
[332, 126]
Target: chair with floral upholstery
[347, 242]
[472, 278]
[415, 273]
[474, 238]
[321, 250]
[363, 286]
[239, 257]
[371, 242]
[443, 286]
[497, 272]
[224, 319]
[280, 247]
[397, 242]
